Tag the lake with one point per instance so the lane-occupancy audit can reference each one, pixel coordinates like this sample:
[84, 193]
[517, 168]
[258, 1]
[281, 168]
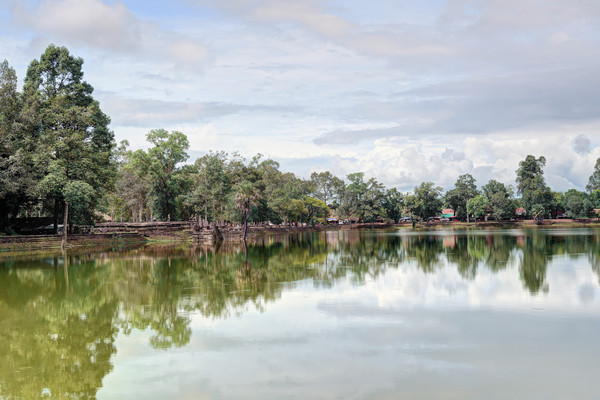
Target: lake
[479, 314]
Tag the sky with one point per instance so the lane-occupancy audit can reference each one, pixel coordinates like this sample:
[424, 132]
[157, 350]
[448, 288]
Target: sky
[405, 91]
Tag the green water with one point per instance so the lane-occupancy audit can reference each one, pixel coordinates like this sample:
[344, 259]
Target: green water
[334, 315]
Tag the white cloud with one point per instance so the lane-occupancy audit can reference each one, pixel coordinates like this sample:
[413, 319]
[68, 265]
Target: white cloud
[112, 28]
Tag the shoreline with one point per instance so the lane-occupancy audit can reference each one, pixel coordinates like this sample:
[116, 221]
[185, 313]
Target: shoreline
[130, 234]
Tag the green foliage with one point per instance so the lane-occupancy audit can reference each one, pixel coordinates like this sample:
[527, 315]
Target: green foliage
[393, 204]
[477, 206]
[426, 201]
[577, 205]
[246, 197]
[500, 200]
[212, 184]
[74, 143]
[595, 198]
[532, 187]
[327, 187]
[537, 212]
[160, 163]
[594, 180]
[464, 190]
[81, 197]
[18, 176]
[316, 210]
[362, 200]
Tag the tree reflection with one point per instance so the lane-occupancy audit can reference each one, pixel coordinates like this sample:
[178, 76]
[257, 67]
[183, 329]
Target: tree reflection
[532, 268]
[59, 316]
[57, 331]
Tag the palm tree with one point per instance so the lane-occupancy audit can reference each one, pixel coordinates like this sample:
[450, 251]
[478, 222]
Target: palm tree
[245, 197]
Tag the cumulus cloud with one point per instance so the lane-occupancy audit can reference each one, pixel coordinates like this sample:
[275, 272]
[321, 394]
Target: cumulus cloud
[85, 21]
[111, 28]
[405, 162]
[581, 144]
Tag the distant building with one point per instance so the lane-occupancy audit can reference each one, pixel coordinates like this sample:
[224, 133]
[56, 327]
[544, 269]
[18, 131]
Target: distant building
[448, 213]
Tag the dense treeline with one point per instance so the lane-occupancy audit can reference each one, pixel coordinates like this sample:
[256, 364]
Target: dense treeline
[58, 158]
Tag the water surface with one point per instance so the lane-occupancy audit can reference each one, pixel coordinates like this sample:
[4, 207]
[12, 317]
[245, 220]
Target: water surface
[337, 315]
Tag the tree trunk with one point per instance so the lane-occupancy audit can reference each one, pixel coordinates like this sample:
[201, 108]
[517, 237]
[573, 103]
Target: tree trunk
[56, 216]
[245, 227]
[65, 225]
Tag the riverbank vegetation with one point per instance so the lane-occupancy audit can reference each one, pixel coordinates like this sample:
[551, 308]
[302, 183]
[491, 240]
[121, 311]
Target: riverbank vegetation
[59, 159]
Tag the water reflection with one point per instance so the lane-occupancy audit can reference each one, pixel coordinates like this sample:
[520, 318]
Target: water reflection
[60, 316]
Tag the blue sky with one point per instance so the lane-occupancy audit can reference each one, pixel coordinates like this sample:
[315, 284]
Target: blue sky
[405, 91]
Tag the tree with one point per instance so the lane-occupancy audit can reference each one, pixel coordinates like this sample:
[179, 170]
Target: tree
[245, 197]
[465, 189]
[327, 187]
[285, 195]
[477, 206]
[363, 200]
[500, 200]
[532, 186]
[75, 147]
[577, 205]
[10, 184]
[350, 204]
[595, 198]
[133, 189]
[594, 181]
[315, 209]
[393, 204]
[160, 163]
[453, 200]
[427, 200]
[212, 185]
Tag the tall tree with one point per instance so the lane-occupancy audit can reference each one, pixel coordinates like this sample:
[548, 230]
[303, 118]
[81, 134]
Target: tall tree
[212, 184]
[327, 187]
[594, 181]
[10, 167]
[75, 148]
[161, 164]
[535, 195]
[246, 197]
[352, 204]
[465, 189]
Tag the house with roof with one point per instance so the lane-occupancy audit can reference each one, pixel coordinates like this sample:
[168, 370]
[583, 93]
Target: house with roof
[448, 213]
